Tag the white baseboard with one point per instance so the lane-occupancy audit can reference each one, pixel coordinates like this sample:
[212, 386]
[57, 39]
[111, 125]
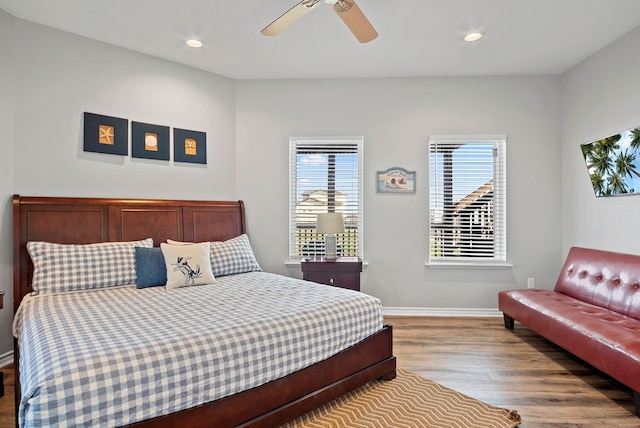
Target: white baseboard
[6, 359]
[441, 312]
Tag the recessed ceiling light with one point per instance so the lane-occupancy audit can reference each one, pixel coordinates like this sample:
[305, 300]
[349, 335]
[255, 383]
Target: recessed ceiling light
[194, 43]
[472, 37]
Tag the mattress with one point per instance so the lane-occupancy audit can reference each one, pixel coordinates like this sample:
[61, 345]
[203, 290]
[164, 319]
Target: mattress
[117, 356]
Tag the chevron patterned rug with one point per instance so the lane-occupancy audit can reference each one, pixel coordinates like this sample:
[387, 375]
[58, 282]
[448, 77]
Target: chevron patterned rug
[407, 401]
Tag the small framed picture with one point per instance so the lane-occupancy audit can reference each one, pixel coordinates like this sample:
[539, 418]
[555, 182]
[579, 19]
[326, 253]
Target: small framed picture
[149, 141]
[396, 180]
[106, 134]
[189, 146]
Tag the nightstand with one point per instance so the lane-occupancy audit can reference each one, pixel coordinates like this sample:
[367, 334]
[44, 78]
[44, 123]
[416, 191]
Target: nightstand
[343, 272]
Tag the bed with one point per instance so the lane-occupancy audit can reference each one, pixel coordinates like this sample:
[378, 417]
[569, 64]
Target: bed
[281, 384]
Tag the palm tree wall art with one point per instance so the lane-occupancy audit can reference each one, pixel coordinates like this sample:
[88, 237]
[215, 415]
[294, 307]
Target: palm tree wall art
[614, 163]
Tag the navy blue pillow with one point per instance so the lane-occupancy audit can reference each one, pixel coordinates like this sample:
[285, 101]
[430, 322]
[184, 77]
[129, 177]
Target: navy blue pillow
[151, 270]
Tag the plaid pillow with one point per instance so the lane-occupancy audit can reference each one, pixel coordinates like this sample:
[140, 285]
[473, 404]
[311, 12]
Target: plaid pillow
[233, 256]
[60, 267]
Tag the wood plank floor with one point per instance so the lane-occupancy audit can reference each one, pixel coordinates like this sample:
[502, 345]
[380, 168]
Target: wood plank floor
[512, 369]
[7, 411]
[479, 357]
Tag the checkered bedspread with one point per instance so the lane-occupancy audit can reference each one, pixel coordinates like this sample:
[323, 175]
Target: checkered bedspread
[113, 357]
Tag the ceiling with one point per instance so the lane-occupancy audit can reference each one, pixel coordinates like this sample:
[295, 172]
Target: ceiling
[416, 37]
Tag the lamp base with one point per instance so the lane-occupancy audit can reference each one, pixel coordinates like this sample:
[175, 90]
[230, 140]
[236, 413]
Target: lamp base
[330, 247]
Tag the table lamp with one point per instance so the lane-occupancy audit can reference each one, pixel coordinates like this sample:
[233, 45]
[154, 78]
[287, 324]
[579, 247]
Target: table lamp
[329, 224]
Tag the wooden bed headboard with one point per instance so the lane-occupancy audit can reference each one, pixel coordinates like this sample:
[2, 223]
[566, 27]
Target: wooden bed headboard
[89, 220]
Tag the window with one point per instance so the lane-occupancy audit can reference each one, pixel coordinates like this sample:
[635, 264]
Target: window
[325, 176]
[467, 199]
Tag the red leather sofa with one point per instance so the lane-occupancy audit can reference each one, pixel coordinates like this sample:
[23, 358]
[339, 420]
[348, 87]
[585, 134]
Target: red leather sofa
[592, 312]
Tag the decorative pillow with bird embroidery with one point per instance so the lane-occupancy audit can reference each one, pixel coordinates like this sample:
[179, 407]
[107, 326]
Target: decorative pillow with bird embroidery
[187, 265]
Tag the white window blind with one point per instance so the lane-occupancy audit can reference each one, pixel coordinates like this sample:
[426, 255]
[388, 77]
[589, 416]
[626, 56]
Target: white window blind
[467, 199]
[325, 176]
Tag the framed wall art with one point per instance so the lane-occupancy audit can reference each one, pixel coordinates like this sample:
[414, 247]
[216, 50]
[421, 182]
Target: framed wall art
[612, 163]
[149, 141]
[106, 134]
[396, 180]
[189, 146]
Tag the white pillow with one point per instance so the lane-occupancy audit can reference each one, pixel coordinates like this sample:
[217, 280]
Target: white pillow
[70, 267]
[187, 265]
[172, 242]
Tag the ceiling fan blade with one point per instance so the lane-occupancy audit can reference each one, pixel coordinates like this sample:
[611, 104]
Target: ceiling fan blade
[289, 17]
[352, 15]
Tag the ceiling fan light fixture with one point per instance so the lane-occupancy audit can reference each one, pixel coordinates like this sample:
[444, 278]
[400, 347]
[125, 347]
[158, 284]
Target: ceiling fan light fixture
[347, 10]
[472, 37]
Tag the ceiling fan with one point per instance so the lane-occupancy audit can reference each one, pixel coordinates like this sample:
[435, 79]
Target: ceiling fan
[347, 10]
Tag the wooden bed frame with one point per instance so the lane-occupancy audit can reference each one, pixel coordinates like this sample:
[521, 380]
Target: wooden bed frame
[87, 220]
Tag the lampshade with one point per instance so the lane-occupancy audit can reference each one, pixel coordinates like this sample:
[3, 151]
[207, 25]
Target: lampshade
[330, 223]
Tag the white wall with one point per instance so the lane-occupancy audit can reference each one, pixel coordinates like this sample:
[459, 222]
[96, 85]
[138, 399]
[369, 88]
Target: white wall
[396, 116]
[60, 76]
[6, 179]
[600, 97]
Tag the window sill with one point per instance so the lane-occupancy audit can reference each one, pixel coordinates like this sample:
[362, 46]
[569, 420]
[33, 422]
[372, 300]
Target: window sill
[469, 265]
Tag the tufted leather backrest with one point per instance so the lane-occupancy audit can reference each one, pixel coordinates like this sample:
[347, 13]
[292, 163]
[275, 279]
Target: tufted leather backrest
[603, 278]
